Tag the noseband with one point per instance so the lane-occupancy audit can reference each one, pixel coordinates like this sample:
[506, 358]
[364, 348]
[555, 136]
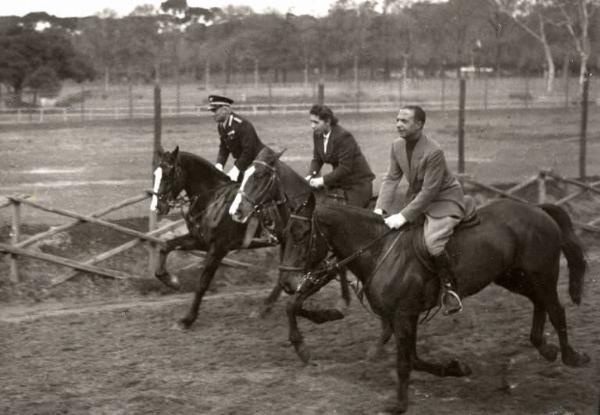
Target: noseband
[273, 181]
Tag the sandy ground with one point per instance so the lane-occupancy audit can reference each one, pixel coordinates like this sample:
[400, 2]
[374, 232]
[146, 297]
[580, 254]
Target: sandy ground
[125, 358]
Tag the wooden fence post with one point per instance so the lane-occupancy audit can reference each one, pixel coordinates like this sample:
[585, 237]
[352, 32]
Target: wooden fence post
[14, 236]
[152, 217]
[583, 130]
[321, 95]
[461, 125]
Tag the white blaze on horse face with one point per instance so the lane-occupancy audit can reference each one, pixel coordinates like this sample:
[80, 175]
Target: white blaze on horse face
[238, 198]
[157, 179]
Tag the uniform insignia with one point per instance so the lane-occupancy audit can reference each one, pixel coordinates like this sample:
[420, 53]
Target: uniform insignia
[232, 132]
[237, 119]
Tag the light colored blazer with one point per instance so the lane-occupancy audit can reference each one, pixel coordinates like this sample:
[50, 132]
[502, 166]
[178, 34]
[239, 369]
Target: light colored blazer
[432, 188]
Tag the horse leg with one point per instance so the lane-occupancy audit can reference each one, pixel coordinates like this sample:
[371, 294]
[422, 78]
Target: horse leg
[184, 242]
[377, 350]
[537, 338]
[212, 262]
[556, 313]
[294, 308]
[342, 305]
[521, 283]
[267, 305]
[453, 368]
[296, 338]
[405, 336]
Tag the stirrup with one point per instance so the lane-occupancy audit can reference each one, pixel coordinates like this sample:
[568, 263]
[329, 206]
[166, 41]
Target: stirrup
[451, 311]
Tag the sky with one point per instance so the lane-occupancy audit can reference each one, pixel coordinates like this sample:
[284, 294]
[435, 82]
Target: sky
[78, 8]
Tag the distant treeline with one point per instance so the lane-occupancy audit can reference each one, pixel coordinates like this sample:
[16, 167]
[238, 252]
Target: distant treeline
[370, 39]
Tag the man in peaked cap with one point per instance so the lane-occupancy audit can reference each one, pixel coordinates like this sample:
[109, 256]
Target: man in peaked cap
[237, 135]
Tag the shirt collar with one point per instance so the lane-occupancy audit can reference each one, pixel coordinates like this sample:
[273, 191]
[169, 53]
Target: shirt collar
[326, 136]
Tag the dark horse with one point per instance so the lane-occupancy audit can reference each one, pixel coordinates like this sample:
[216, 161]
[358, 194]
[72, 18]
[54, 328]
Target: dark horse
[209, 193]
[268, 181]
[516, 246]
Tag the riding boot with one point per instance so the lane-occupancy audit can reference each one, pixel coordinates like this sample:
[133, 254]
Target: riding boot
[449, 298]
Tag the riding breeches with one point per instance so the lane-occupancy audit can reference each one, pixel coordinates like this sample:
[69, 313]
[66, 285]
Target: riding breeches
[437, 232]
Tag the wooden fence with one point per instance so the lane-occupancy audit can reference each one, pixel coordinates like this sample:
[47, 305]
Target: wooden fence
[540, 181]
[18, 247]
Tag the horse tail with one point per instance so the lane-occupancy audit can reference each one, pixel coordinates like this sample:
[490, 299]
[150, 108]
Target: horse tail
[571, 248]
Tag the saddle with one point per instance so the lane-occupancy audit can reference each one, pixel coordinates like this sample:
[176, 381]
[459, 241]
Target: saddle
[470, 220]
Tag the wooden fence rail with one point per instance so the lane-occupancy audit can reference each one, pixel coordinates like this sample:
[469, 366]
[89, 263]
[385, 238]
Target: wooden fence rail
[540, 180]
[17, 247]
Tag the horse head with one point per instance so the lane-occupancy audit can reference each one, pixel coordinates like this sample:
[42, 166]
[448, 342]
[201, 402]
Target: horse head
[305, 246]
[260, 187]
[169, 180]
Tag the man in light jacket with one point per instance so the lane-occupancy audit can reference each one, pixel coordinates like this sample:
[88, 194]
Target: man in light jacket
[433, 191]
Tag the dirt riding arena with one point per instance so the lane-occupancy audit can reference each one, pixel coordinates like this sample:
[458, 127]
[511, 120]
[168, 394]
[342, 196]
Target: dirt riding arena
[98, 346]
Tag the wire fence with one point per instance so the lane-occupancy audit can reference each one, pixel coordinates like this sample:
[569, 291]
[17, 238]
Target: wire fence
[96, 102]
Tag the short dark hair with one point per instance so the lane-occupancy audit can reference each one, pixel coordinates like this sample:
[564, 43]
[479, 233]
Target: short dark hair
[418, 111]
[324, 113]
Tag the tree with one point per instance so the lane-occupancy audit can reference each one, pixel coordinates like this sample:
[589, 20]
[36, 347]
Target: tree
[38, 59]
[532, 16]
[100, 40]
[575, 17]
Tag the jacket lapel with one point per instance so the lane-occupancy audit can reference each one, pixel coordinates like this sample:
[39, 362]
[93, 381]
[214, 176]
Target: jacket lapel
[402, 159]
[330, 141]
[417, 154]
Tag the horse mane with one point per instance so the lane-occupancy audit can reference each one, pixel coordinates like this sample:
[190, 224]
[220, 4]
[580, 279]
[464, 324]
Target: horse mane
[187, 158]
[359, 221]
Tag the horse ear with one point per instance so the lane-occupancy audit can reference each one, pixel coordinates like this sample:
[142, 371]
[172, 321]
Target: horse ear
[176, 152]
[278, 155]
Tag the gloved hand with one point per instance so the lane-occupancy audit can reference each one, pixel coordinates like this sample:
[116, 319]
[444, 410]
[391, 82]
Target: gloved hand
[378, 212]
[307, 178]
[317, 182]
[219, 166]
[234, 173]
[395, 221]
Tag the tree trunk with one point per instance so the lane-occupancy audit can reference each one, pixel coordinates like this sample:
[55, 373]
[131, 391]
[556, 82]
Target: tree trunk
[106, 78]
[256, 73]
[207, 75]
[356, 72]
[551, 68]
[306, 73]
[583, 69]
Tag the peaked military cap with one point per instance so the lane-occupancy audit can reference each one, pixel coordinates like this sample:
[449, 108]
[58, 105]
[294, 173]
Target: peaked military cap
[216, 101]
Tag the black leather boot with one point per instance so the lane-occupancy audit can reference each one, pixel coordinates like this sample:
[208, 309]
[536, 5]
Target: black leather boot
[449, 298]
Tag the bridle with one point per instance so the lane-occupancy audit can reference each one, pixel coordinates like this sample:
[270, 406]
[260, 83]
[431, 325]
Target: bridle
[319, 276]
[166, 196]
[181, 200]
[257, 205]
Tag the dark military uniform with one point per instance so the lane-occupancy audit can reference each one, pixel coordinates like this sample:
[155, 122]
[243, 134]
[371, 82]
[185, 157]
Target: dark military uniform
[351, 172]
[239, 139]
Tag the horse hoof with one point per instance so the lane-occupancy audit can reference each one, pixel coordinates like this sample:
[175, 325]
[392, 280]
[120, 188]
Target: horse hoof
[184, 324]
[575, 359]
[394, 409]
[303, 353]
[169, 280]
[457, 369]
[342, 307]
[549, 352]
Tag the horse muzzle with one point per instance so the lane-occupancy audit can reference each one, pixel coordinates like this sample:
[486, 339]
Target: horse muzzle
[289, 280]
